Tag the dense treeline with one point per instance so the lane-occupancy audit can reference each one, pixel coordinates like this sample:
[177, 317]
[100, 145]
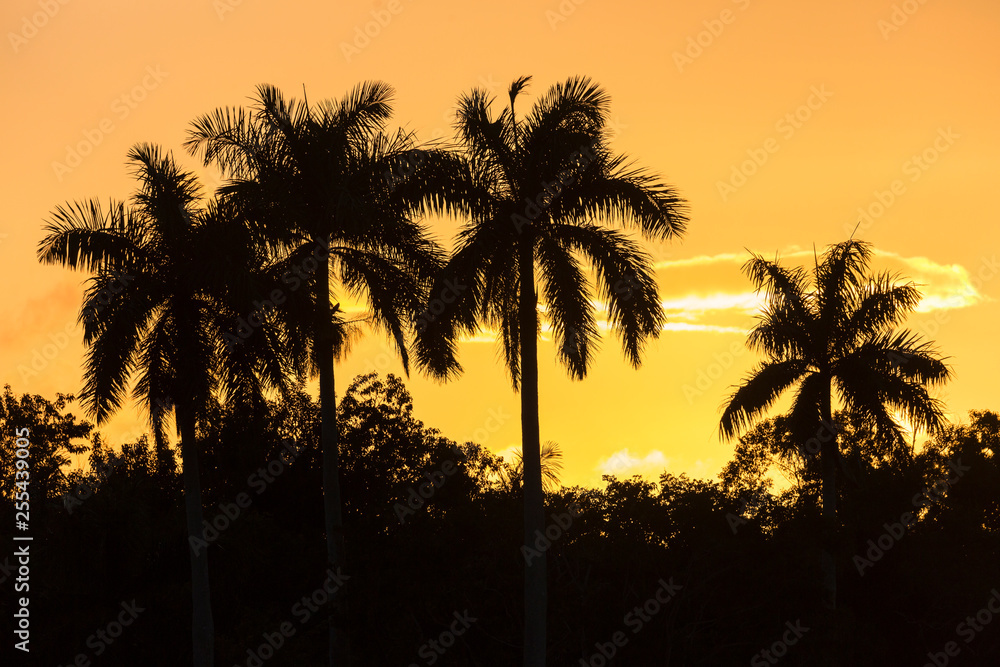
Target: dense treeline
[679, 571]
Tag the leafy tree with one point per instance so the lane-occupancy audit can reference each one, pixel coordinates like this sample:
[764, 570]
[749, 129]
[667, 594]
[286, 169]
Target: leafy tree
[742, 583]
[537, 188]
[971, 502]
[837, 338]
[52, 433]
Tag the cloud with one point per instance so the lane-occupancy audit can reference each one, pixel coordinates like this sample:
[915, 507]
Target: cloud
[713, 328]
[942, 286]
[726, 304]
[702, 260]
[42, 316]
[692, 305]
[624, 464]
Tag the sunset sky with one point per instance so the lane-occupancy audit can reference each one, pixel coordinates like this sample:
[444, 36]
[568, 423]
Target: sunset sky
[783, 124]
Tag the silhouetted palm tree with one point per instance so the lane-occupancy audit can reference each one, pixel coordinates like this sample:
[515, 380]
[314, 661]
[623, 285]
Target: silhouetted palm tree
[321, 181]
[839, 336]
[550, 456]
[158, 306]
[537, 188]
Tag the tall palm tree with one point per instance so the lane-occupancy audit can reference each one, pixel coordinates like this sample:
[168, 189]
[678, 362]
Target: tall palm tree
[837, 331]
[337, 195]
[537, 189]
[166, 274]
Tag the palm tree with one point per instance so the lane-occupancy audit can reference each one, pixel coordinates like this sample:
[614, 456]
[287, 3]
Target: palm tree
[536, 190]
[839, 335]
[322, 182]
[550, 456]
[165, 272]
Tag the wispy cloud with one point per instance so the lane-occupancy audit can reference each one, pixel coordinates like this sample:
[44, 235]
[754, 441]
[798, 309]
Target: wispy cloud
[702, 260]
[943, 286]
[713, 328]
[625, 464]
[692, 305]
[727, 311]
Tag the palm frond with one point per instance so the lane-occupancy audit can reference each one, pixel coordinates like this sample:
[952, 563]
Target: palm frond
[759, 391]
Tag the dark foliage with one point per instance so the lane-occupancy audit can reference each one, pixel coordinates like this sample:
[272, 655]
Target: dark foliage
[743, 553]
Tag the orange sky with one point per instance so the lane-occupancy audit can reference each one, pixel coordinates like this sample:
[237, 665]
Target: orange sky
[697, 89]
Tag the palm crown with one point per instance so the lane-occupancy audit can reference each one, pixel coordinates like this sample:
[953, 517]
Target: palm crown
[533, 192]
[536, 189]
[312, 179]
[840, 335]
[167, 279]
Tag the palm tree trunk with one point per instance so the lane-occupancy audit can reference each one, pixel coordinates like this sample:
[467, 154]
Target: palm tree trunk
[535, 593]
[202, 626]
[333, 517]
[829, 455]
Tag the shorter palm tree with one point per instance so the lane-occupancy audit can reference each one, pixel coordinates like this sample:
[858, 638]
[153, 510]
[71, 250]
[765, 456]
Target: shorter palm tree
[512, 474]
[337, 195]
[178, 279]
[835, 333]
